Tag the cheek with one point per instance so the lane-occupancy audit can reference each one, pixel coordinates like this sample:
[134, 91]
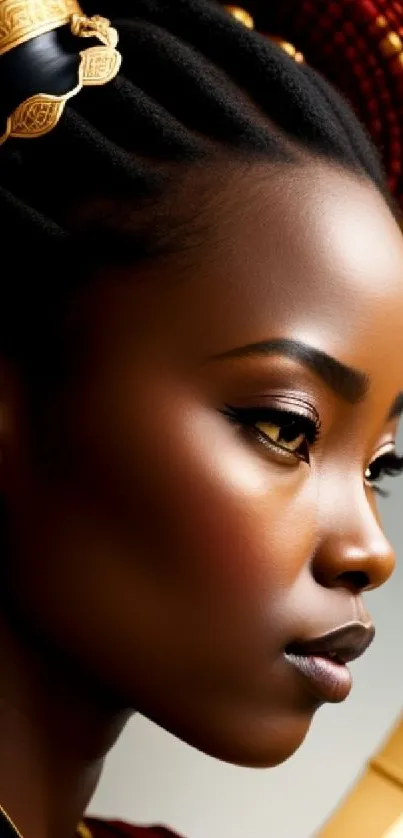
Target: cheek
[219, 519]
[169, 527]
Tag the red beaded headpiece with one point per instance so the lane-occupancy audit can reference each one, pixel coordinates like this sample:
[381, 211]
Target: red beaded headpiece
[358, 46]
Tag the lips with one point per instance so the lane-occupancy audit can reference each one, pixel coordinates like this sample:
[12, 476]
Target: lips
[344, 644]
[323, 661]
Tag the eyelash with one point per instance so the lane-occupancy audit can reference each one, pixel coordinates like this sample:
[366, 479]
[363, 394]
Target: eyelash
[388, 464]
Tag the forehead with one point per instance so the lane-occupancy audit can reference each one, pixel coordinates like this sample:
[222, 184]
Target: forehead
[310, 252]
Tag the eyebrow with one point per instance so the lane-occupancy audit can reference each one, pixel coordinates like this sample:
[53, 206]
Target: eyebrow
[397, 408]
[349, 383]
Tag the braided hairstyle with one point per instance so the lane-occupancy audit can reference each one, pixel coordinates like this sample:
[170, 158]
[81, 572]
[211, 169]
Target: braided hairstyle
[196, 88]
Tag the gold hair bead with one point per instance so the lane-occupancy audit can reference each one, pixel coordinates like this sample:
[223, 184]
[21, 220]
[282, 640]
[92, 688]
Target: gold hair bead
[241, 15]
[391, 45]
[381, 22]
[288, 48]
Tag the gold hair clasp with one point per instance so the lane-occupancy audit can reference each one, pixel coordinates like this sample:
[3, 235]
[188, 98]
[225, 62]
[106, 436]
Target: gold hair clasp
[22, 20]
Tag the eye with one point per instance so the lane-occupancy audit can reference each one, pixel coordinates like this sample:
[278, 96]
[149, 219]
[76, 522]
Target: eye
[387, 464]
[284, 432]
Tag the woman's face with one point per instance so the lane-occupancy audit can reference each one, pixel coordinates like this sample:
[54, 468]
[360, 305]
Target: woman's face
[182, 531]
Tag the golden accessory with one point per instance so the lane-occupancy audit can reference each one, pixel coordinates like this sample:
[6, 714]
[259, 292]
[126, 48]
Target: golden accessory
[391, 45]
[82, 830]
[244, 17]
[20, 21]
[11, 824]
[289, 49]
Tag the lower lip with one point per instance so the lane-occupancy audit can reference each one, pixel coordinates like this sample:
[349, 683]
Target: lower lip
[330, 681]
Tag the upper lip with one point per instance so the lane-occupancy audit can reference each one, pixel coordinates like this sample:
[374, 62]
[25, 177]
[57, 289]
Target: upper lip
[344, 644]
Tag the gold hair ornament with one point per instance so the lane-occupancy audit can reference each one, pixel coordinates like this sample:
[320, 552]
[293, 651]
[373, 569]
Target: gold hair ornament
[20, 22]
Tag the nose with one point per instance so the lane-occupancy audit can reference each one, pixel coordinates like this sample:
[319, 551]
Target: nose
[353, 552]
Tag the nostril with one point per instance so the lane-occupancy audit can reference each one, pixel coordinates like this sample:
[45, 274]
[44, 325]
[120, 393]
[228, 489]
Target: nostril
[354, 580]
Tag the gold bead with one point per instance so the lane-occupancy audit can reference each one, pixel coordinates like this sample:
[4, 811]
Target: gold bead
[381, 22]
[241, 15]
[391, 45]
[288, 48]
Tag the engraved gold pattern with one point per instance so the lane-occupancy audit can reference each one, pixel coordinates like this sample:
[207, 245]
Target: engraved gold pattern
[20, 21]
[98, 65]
[37, 115]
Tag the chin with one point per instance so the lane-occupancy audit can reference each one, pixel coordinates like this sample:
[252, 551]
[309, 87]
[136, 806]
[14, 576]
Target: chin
[271, 746]
[259, 744]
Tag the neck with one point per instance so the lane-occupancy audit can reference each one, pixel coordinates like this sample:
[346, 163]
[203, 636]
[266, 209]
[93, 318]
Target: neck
[54, 737]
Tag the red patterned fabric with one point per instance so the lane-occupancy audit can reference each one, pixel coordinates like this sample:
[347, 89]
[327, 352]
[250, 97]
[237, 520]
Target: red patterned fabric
[118, 829]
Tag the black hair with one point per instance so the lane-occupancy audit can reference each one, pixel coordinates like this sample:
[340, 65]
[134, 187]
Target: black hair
[195, 85]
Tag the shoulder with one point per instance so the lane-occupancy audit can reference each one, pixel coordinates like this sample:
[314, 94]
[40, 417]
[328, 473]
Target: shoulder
[94, 828]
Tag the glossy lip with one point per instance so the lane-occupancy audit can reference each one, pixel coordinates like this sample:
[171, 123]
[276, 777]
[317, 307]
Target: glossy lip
[322, 660]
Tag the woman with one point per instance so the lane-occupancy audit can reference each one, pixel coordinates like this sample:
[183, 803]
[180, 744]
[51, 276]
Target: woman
[201, 363]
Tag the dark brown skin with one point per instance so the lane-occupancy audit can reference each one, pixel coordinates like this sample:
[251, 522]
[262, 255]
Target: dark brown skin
[164, 556]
